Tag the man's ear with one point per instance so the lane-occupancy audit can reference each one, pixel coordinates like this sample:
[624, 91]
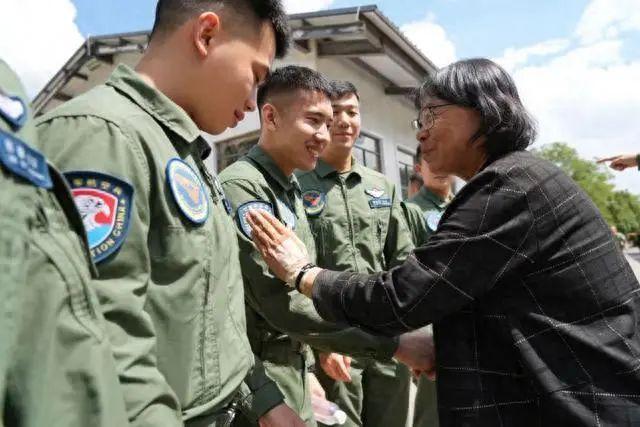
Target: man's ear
[270, 117]
[205, 30]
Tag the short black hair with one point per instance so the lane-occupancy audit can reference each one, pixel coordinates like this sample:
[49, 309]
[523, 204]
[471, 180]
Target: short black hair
[342, 88]
[292, 78]
[414, 177]
[171, 14]
[486, 87]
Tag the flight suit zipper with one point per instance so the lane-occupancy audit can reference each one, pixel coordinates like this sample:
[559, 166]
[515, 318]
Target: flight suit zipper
[350, 222]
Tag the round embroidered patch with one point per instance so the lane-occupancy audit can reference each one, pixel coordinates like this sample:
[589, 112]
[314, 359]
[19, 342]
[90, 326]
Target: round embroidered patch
[188, 191]
[13, 110]
[104, 203]
[244, 209]
[314, 202]
[433, 219]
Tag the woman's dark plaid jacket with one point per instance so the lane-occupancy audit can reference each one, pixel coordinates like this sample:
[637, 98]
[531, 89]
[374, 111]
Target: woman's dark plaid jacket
[535, 308]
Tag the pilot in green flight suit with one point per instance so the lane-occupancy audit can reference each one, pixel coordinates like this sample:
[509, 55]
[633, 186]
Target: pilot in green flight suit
[358, 225]
[56, 365]
[295, 112]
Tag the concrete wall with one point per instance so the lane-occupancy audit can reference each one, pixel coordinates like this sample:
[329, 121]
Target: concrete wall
[384, 116]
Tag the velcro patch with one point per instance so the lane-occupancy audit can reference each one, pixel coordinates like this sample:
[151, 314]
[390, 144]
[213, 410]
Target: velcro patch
[24, 161]
[188, 191]
[244, 209]
[314, 202]
[380, 203]
[105, 204]
[376, 193]
[433, 219]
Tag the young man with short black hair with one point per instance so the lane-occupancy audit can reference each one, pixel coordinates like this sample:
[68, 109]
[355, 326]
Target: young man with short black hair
[162, 238]
[357, 224]
[296, 115]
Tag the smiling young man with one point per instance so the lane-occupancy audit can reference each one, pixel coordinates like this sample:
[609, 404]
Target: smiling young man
[357, 225]
[158, 223]
[296, 115]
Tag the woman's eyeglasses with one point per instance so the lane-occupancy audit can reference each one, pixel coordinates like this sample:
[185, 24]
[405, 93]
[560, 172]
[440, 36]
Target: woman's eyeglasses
[427, 117]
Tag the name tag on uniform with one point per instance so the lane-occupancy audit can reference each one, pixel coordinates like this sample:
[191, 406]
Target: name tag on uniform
[105, 204]
[380, 203]
[243, 211]
[24, 161]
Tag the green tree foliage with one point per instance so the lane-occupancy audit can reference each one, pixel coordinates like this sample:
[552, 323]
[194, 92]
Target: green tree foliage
[619, 208]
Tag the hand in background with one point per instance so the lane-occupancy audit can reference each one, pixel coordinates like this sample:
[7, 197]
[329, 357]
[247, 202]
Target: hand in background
[336, 366]
[621, 162]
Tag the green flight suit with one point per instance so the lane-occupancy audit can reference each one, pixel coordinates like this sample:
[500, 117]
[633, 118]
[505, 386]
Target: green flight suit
[423, 212]
[280, 319]
[56, 364]
[358, 225]
[170, 283]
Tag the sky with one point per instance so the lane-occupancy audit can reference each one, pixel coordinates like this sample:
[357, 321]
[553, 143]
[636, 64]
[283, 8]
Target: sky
[576, 62]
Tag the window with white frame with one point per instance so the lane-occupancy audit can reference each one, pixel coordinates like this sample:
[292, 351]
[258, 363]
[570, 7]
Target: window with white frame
[367, 151]
[405, 165]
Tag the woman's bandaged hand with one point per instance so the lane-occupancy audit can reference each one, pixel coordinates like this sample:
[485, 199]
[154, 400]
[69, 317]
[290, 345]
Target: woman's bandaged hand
[281, 249]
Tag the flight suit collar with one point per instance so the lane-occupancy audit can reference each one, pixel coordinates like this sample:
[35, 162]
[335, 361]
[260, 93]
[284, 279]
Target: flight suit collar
[324, 169]
[264, 160]
[156, 104]
[430, 196]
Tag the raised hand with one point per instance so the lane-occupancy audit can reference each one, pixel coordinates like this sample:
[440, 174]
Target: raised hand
[281, 249]
[621, 162]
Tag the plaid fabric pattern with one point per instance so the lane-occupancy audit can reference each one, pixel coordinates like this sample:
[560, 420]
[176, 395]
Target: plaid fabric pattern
[534, 307]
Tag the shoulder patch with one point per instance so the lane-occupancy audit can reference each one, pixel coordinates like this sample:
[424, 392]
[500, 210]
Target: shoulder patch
[287, 215]
[24, 161]
[188, 191]
[376, 193]
[314, 202]
[13, 110]
[432, 218]
[244, 209]
[105, 204]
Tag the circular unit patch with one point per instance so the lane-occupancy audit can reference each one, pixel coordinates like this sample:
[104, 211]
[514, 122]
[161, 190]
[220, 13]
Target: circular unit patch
[314, 202]
[188, 191]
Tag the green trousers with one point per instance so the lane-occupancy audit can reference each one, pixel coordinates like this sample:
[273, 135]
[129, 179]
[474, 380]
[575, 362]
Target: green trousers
[426, 405]
[377, 396]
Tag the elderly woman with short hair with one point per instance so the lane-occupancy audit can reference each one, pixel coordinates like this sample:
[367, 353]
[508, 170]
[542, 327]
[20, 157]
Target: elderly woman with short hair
[534, 307]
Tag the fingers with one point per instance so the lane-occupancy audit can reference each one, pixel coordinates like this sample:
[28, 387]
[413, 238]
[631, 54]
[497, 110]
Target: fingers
[606, 159]
[342, 370]
[277, 225]
[347, 362]
[260, 237]
[258, 220]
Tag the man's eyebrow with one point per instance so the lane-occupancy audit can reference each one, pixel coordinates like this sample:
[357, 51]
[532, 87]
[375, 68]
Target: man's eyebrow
[319, 114]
